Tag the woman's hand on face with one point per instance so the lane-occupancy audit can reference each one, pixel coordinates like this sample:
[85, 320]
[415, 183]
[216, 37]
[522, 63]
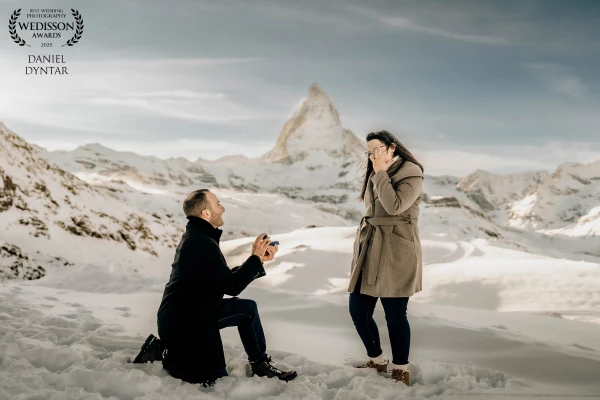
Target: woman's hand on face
[378, 159]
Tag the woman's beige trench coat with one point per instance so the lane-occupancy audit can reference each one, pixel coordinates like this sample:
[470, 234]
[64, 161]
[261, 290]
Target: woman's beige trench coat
[387, 247]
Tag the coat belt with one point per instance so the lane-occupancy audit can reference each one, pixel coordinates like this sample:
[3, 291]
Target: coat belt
[374, 232]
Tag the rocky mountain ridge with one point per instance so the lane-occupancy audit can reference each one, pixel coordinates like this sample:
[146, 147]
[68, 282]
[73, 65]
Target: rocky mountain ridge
[40, 203]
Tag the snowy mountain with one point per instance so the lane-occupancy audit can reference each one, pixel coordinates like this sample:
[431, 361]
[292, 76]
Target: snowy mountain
[318, 163]
[41, 206]
[315, 161]
[566, 202]
[495, 193]
[315, 131]
[95, 161]
[447, 211]
[555, 214]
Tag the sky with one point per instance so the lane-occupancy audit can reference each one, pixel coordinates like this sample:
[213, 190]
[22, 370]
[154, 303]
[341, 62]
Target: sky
[504, 86]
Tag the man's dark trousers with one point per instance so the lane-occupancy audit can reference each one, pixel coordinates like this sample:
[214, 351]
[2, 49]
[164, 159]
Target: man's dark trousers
[243, 313]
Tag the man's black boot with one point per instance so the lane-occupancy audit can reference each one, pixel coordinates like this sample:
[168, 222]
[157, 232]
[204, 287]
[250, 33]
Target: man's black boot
[152, 350]
[266, 368]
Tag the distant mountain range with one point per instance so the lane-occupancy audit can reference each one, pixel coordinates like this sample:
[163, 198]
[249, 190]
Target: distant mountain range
[46, 210]
[310, 177]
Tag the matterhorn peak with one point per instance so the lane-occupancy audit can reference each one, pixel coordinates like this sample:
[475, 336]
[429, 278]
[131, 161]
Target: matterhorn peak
[314, 129]
[319, 106]
[315, 90]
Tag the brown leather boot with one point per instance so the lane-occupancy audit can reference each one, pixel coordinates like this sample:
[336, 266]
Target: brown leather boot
[373, 364]
[401, 375]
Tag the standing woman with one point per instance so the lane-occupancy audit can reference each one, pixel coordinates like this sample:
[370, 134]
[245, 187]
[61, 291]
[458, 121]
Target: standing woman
[387, 251]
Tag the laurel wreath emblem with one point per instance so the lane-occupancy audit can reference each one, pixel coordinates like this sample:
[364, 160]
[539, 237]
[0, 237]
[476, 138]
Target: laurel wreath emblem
[12, 28]
[78, 30]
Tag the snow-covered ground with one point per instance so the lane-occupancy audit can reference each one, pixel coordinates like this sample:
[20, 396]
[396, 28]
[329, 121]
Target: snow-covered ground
[488, 324]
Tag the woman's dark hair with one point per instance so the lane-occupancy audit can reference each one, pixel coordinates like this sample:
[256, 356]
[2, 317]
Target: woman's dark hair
[387, 139]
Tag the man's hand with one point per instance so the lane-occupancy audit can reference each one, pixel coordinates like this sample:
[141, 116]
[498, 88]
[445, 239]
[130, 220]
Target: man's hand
[270, 253]
[259, 248]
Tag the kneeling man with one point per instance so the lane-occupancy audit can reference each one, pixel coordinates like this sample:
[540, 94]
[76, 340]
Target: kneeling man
[193, 309]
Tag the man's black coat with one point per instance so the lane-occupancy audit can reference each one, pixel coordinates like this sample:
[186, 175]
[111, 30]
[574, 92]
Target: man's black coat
[188, 313]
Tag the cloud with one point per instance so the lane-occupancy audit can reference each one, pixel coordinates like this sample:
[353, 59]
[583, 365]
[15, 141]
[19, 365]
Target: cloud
[505, 159]
[408, 24]
[182, 104]
[189, 89]
[460, 163]
[177, 95]
[324, 14]
[557, 78]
